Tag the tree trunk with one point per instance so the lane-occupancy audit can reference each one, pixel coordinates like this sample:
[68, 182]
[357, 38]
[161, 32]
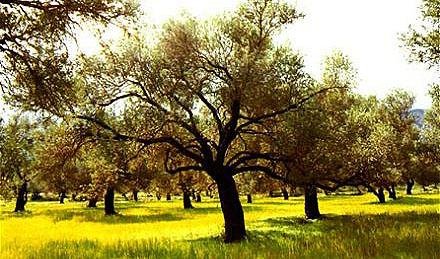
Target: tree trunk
[92, 202]
[198, 197]
[73, 196]
[311, 207]
[233, 215]
[285, 193]
[135, 196]
[21, 198]
[168, 196]
[187, 200]
[158, 196]
[381, 195]
[392, 192]
[249, 198]
[409, 186]
[109, 201]
[35, 196]
[193, 194]
[62, 197]
[359, 191]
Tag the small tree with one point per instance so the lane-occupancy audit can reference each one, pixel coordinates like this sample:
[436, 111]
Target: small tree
[16, 159]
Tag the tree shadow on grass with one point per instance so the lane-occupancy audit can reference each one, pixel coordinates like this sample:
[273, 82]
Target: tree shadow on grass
[10, 214]
[330, 222]
[128, 219]
[408, 200]
[95, 215]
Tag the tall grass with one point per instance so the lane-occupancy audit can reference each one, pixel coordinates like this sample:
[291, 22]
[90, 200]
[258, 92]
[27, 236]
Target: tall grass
[353, 227]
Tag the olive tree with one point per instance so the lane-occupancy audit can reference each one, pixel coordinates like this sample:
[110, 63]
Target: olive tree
[16, 159]
[201, 90]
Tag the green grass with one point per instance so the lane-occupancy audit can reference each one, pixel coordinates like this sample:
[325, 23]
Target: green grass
[353, 227]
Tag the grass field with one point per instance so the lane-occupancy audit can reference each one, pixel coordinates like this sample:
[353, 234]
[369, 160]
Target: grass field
[353, 227]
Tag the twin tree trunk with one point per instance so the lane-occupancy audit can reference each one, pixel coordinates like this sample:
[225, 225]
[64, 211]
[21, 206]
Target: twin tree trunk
[311, 207]
[109, 201]
[409, 186]
[392, 192]
[21, 198]
[231, 207]
[381, 195]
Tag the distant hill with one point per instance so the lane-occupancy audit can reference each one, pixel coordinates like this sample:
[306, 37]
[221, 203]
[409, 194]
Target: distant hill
[419, 115]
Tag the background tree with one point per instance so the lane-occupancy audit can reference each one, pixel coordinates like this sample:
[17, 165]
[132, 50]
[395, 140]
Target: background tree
[58, 159]
[16, 159]
[423, 41]
[384, 140]
[314, 138]
[427, 158]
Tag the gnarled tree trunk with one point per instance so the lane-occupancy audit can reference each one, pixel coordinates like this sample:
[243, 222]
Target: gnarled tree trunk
[233, 215]
[285, 193]
[135, 195]
[92, 202]
[21, 198]
[311, 206]
[168, 196]
[392, 192]
[380, 195]
[187, 200]
[109, 201]
[409, 186]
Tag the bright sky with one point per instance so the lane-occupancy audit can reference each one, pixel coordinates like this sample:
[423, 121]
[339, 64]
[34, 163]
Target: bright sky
[367, 31]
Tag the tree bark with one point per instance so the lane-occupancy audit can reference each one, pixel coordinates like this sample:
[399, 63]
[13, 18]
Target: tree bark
[92, 202]
[168, 196]
[409, 186]
[135, 195]
[109, 201]
[249, 198]
[158, 196]
[198, 197]
[21, 198]
[187, 200]
[381, 195]
[233, 215]
[62, 197]
[392, 192]
[285, 193]
[311, 206]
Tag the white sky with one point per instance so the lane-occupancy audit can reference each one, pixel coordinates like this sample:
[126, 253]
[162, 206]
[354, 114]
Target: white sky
[366, 30]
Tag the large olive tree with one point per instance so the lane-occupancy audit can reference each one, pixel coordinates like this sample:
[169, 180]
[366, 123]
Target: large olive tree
[202, 92]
